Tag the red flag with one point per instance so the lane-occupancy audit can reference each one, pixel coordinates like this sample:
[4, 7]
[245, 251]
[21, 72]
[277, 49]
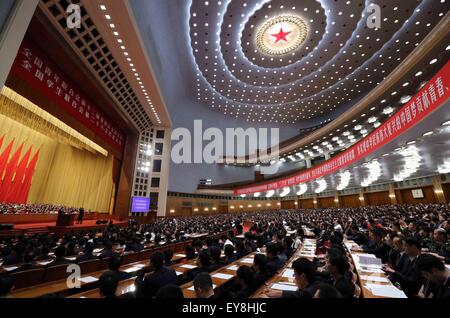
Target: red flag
[22, 197]
[4, 156]
[14, 190]
[9, 173]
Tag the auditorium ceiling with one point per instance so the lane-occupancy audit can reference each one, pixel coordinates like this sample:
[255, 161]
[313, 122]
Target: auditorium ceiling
[282, 61]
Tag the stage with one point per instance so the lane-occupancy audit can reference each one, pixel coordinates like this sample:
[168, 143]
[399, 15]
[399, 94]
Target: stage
[50, 227]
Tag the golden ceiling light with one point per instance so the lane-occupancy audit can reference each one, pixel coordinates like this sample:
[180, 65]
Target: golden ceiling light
[281, 35]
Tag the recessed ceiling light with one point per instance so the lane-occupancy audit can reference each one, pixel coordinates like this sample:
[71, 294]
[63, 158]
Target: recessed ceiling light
[427, 133]
[446, 123]
[433, 61]
[103, 7]
[419, 73]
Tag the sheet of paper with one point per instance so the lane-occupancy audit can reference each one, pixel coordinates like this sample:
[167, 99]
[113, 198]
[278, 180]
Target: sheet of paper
[11, 268]
[369, 259]
[72, 258]
[132, 269]
[139, 265]
[192, 287]
[222, 276]
[371, 270]
[88, 279]
[284, 287]
[375, 278]
[178, 273]
[97, 250]
[43, 263]
[288, 273]
[188, 266]
[247, 260]
[386, 291]
[180, 255]
[233, 268]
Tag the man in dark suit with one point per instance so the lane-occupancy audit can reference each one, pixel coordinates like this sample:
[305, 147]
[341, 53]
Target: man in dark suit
[216, 258]
[108, 250]
[338, 266]
[6, 284]
[203, 265]
[60, 252]
[87, 255]
[262, 274]
[29, 263]
[305, 279]
[409, 279]
[114, 266]
[108, 283]
[148, 286]
[80, 215]
[376, 245]
[274, 262]
[16, 257]
[435, 272]
[203, 286]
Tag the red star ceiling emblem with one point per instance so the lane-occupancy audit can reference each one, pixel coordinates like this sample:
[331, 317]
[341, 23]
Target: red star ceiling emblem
[281, 35]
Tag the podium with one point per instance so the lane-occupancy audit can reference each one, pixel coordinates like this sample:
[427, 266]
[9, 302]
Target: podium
[65, 219]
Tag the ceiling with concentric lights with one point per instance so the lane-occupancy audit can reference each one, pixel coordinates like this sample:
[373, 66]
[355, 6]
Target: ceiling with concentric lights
[287, 61]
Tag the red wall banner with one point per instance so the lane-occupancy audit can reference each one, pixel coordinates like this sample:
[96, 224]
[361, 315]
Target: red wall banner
[433, 95]
[39, 72]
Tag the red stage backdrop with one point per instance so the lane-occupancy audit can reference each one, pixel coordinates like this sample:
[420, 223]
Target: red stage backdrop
[39, 72]
[430, 97]
[16, 173]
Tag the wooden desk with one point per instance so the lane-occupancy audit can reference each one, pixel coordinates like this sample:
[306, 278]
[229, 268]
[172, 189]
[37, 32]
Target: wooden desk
[60, 286]
[127, 285]
[304, 251]
[187, 288]
[364, 283]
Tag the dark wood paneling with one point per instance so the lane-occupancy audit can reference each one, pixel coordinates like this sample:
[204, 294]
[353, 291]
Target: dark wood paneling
[377, 198]
[405, 196]
[306, 204]
[326, 202]
[288, 204]
[350, 201]
[446, 188]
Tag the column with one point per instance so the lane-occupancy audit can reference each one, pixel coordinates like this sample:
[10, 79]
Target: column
[12, 33]
[392, 195]
[438, 190]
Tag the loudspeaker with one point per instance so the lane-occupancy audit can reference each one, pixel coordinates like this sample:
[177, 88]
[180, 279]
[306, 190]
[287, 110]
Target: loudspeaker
[6, 227]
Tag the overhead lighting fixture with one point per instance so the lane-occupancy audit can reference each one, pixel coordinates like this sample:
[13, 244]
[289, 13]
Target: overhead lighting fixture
[270, 193]
[285, 191]
[302, 189]
[321, 185]
[388, 110]
[433, 61]
[405, 99]
[344, 180]
[243, 195]
[374, 168]
[372, 120]
[446, 123]
[427, 133]
[257, 194]
[412, 163]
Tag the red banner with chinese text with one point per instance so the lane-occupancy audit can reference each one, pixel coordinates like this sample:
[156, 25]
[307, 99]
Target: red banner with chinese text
[37, 71]
[433, 95]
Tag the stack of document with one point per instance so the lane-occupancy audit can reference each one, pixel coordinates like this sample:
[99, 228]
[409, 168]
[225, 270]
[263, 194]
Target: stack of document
[385, 291]
[222, 276]
[378, 279]
[188, 266]
[287, 287]
[288, 273]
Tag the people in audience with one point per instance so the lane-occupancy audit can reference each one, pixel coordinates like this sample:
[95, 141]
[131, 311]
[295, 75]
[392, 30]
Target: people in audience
[203, 286]
[436, 274]
[262, 273]
[338, 266]
[148, 286]
[114, 263]
[6, 284]
[170, 292]
[108, 283]
[327, 291]
[274, 262]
